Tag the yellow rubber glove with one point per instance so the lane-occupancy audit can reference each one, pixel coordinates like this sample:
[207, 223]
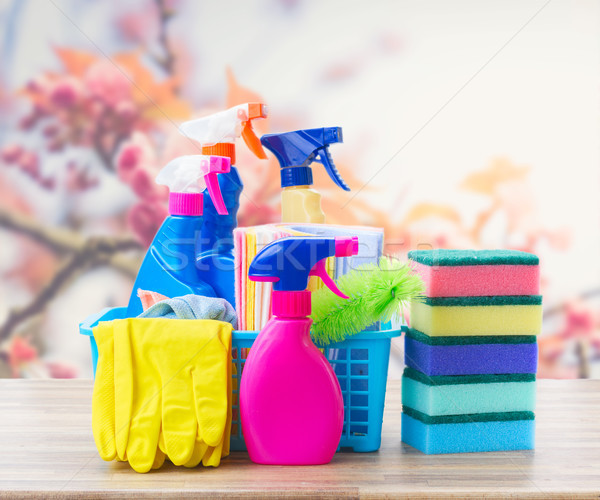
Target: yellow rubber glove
[138, 394]
[168, 374]
[103, 399]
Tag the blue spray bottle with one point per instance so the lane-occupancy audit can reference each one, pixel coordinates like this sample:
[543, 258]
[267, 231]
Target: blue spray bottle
[169, 265]
[217, 134]
[295, 151]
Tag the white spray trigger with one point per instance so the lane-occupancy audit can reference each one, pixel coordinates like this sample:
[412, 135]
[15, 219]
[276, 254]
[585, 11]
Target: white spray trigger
[186, 174]
[226, 126]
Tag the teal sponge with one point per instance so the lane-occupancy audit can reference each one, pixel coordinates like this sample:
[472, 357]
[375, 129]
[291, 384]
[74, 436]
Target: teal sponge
[468, 433]
[468, 394]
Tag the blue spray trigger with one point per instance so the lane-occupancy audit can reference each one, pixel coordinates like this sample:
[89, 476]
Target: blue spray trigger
[324, 158]
[300, 148]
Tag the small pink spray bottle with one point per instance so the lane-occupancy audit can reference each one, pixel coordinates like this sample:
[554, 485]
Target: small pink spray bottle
[291, 404]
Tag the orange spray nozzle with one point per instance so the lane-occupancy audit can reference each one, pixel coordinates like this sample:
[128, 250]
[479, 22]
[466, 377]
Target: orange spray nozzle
[255, 110]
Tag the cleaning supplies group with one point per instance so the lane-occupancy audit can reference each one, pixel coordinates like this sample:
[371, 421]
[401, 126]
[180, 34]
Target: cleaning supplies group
[163, 387]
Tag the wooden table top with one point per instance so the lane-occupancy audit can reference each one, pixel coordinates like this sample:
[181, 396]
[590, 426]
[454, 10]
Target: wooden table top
[47, 450]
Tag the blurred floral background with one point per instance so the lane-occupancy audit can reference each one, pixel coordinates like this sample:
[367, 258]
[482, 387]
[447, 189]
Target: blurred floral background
[466, 124]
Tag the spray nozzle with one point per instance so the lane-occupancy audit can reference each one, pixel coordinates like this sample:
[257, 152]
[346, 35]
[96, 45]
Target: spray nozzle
[296, 150]
[289, 262]
[182, 176]
[226, 126]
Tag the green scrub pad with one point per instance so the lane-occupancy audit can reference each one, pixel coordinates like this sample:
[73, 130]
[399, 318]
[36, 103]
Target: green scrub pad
[470, 340]
[445, 257]
[468, 394]
[498, 315]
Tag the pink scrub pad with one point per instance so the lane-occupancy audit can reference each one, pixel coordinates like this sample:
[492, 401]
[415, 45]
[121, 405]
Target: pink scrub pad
[477, 273]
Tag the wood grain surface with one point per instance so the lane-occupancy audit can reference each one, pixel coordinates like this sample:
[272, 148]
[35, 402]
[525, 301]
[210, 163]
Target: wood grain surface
[47, 451]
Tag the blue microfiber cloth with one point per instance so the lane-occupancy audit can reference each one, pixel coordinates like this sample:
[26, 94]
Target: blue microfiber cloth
[193, 307]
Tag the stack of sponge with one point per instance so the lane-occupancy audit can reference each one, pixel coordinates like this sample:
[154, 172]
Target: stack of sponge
[471, 352]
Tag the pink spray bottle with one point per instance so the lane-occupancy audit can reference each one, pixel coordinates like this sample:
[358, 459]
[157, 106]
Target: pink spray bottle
[291, 404]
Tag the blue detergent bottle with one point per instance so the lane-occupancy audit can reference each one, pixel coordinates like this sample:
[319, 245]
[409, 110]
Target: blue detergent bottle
[217, 134]
[169, 265]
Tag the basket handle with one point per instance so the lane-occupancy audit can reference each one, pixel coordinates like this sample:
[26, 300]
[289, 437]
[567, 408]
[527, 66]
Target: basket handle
[86, 326]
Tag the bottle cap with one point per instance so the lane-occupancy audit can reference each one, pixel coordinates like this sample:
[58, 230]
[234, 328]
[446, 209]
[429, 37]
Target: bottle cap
[185, 203]
[296, 176]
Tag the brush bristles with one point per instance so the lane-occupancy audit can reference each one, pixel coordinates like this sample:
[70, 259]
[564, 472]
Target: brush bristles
[378, 292]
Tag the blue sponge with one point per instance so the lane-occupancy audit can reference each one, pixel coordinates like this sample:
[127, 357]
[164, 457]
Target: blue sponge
[473, 435]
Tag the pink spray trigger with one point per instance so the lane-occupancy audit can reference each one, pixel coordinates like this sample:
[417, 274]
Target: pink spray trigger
[344, 247]
[320, 271]
[217, 165]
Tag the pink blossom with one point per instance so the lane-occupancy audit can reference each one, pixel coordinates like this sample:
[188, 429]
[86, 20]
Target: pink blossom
[29, 163]
[35, 85]
[28, 121]
[61, 370]
[20, 351]
[580, 321]
[79, 179]
[126, 110]
[48, 183]
[145, 218]
[107, 83]
[50, 130]
[65, 93]
[11, 153]
[94, 109]
[137, 152]
[140, 25]
[56, 145]
[143, 185]
[40, 84]
[128, 160]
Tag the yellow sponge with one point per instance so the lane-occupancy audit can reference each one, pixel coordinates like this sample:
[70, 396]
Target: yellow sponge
[498, 315]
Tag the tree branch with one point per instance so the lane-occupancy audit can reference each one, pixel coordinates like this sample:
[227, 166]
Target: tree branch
[96, 252]
[60, 240]
[167, 59]
[83, 254]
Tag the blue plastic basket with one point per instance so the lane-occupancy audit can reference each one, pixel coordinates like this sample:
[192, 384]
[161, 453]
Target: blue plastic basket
[359, 362]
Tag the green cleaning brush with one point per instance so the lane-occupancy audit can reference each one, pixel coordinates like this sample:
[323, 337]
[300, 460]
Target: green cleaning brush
[377, 292]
